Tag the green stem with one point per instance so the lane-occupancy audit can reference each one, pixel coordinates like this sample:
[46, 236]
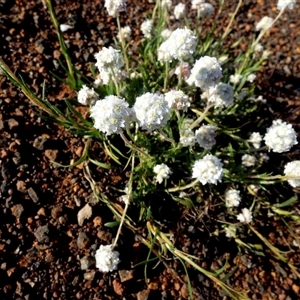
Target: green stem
[166, 76]
[231, 20]
[181, 188]
[123, 47]
[201, 118]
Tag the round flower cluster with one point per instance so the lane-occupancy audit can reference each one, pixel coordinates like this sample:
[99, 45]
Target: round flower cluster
[151, 111]
[197, 3]
[232, 198]
[280, 137]
[205, 136]
[177, 100]
[248, 160]
[205, 10]
[109, 62]
[179, 10]
[245, 216]
[146, 28]
[110, 114]
[87, 96]
[166, 3]
[235, 79]
[183, 70]
[221, 95]
[282, 4]
[264, 24]
[107, 259]
[162, 172]
[292, 169]
[187, 138]
[208, 169]
[180, 45]
[255, 139]
[114, 7]
[124, 33]
[206, 73]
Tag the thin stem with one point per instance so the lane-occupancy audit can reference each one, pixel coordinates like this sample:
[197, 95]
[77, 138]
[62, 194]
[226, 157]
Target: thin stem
[203, 115]
[123, 46]
[181, 188]
[167, 138]
[231, 20]
[166, 76]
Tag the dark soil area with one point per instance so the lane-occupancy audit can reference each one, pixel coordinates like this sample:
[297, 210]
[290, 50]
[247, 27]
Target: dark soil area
[44, 252]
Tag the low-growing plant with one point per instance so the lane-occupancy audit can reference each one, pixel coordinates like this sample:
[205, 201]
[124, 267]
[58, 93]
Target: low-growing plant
[181, 105]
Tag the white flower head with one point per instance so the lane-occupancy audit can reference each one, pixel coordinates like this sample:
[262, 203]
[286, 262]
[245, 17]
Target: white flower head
[183, 70]
[248, 160]
[166, 33]
[177, 100]
[179, 10]
[114, 7]
[197, 3]
[146, 28]
[255, 138]
[235, 79]
[162, 172]
[258, 48]
[166, 3]
[292, 169]
[124, 33]
[282, 4]
[205, 10]
[151, 111]
[280, 137]
[187, 138]
[107, 259]
[87, 96]
[221, 95]
[163, 53]
[245, 216]
[111, 114]
[206, 73]
[264, 24]
[64, 27]
[251, 77]
[208, 169]
[205, 136]
[232, 198]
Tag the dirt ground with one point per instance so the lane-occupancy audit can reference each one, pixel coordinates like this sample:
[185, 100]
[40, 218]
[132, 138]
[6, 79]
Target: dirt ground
[44, 252]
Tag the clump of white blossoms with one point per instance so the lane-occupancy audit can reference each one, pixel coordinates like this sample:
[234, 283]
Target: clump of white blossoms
[124, 34]
[205, 136]
[255, 138]
[197, 3]
[221, 95]
[293, 169]
[187, 138]
[248, 160]
[251, 77]
[245, 216]
[180, 45]
[179, 10]
[166, 3]
[282, 4]
[87, 96]
[162, 172]
[151, 111]
[183, 70]
[206, 73]
[235, 79]
[114, 7]
[110, 114]
[106, 259]
[177, 100]
[209, 169]
[109, 62]
[166, 33]
[280, 137]
[232, 198]
[264, 24]
[146, 28]
[205, 10]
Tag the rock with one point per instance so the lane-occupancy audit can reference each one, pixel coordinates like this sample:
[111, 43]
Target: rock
[39, 143]
[17, 158]
[89, 275]
[118, 287]
[126, 275]
[17, 210]
[51, 154]
[184, 291]
[32, 194]
[86, 262]
[21, 186]
[98, 221]
[56, 212]
[82, 241]
[12, 123]
[143, 295]
[41, 234]
[84, 213]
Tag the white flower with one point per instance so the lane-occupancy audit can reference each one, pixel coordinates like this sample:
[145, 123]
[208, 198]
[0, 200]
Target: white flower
[107, 259]
[146, 28]
[109, 62]
[248, 160]
[163, 53]
[162, 172]
[166, 3]
[126, 198]
[87, 96]
[205, 10]
[179, 10]
[282, 4]
[196, 3]
[114, 7]
[177, 100]
[184, 69]
[64, 27]
[255, 139]
[124, 33]
[180, 45]
[293, 169]
[221, 95]
[245, 216]
[206, 72]
[166, 33]
[232, 198]
[151, 111]
[208, 169]
[235, 79]
[258, 47]
[251, 77]
[187, 138]
[205, 136]
[264, 24]
[280, 137]
[111, 114]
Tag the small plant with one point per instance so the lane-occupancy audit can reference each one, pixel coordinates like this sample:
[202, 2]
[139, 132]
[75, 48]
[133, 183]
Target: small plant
[180, 106]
